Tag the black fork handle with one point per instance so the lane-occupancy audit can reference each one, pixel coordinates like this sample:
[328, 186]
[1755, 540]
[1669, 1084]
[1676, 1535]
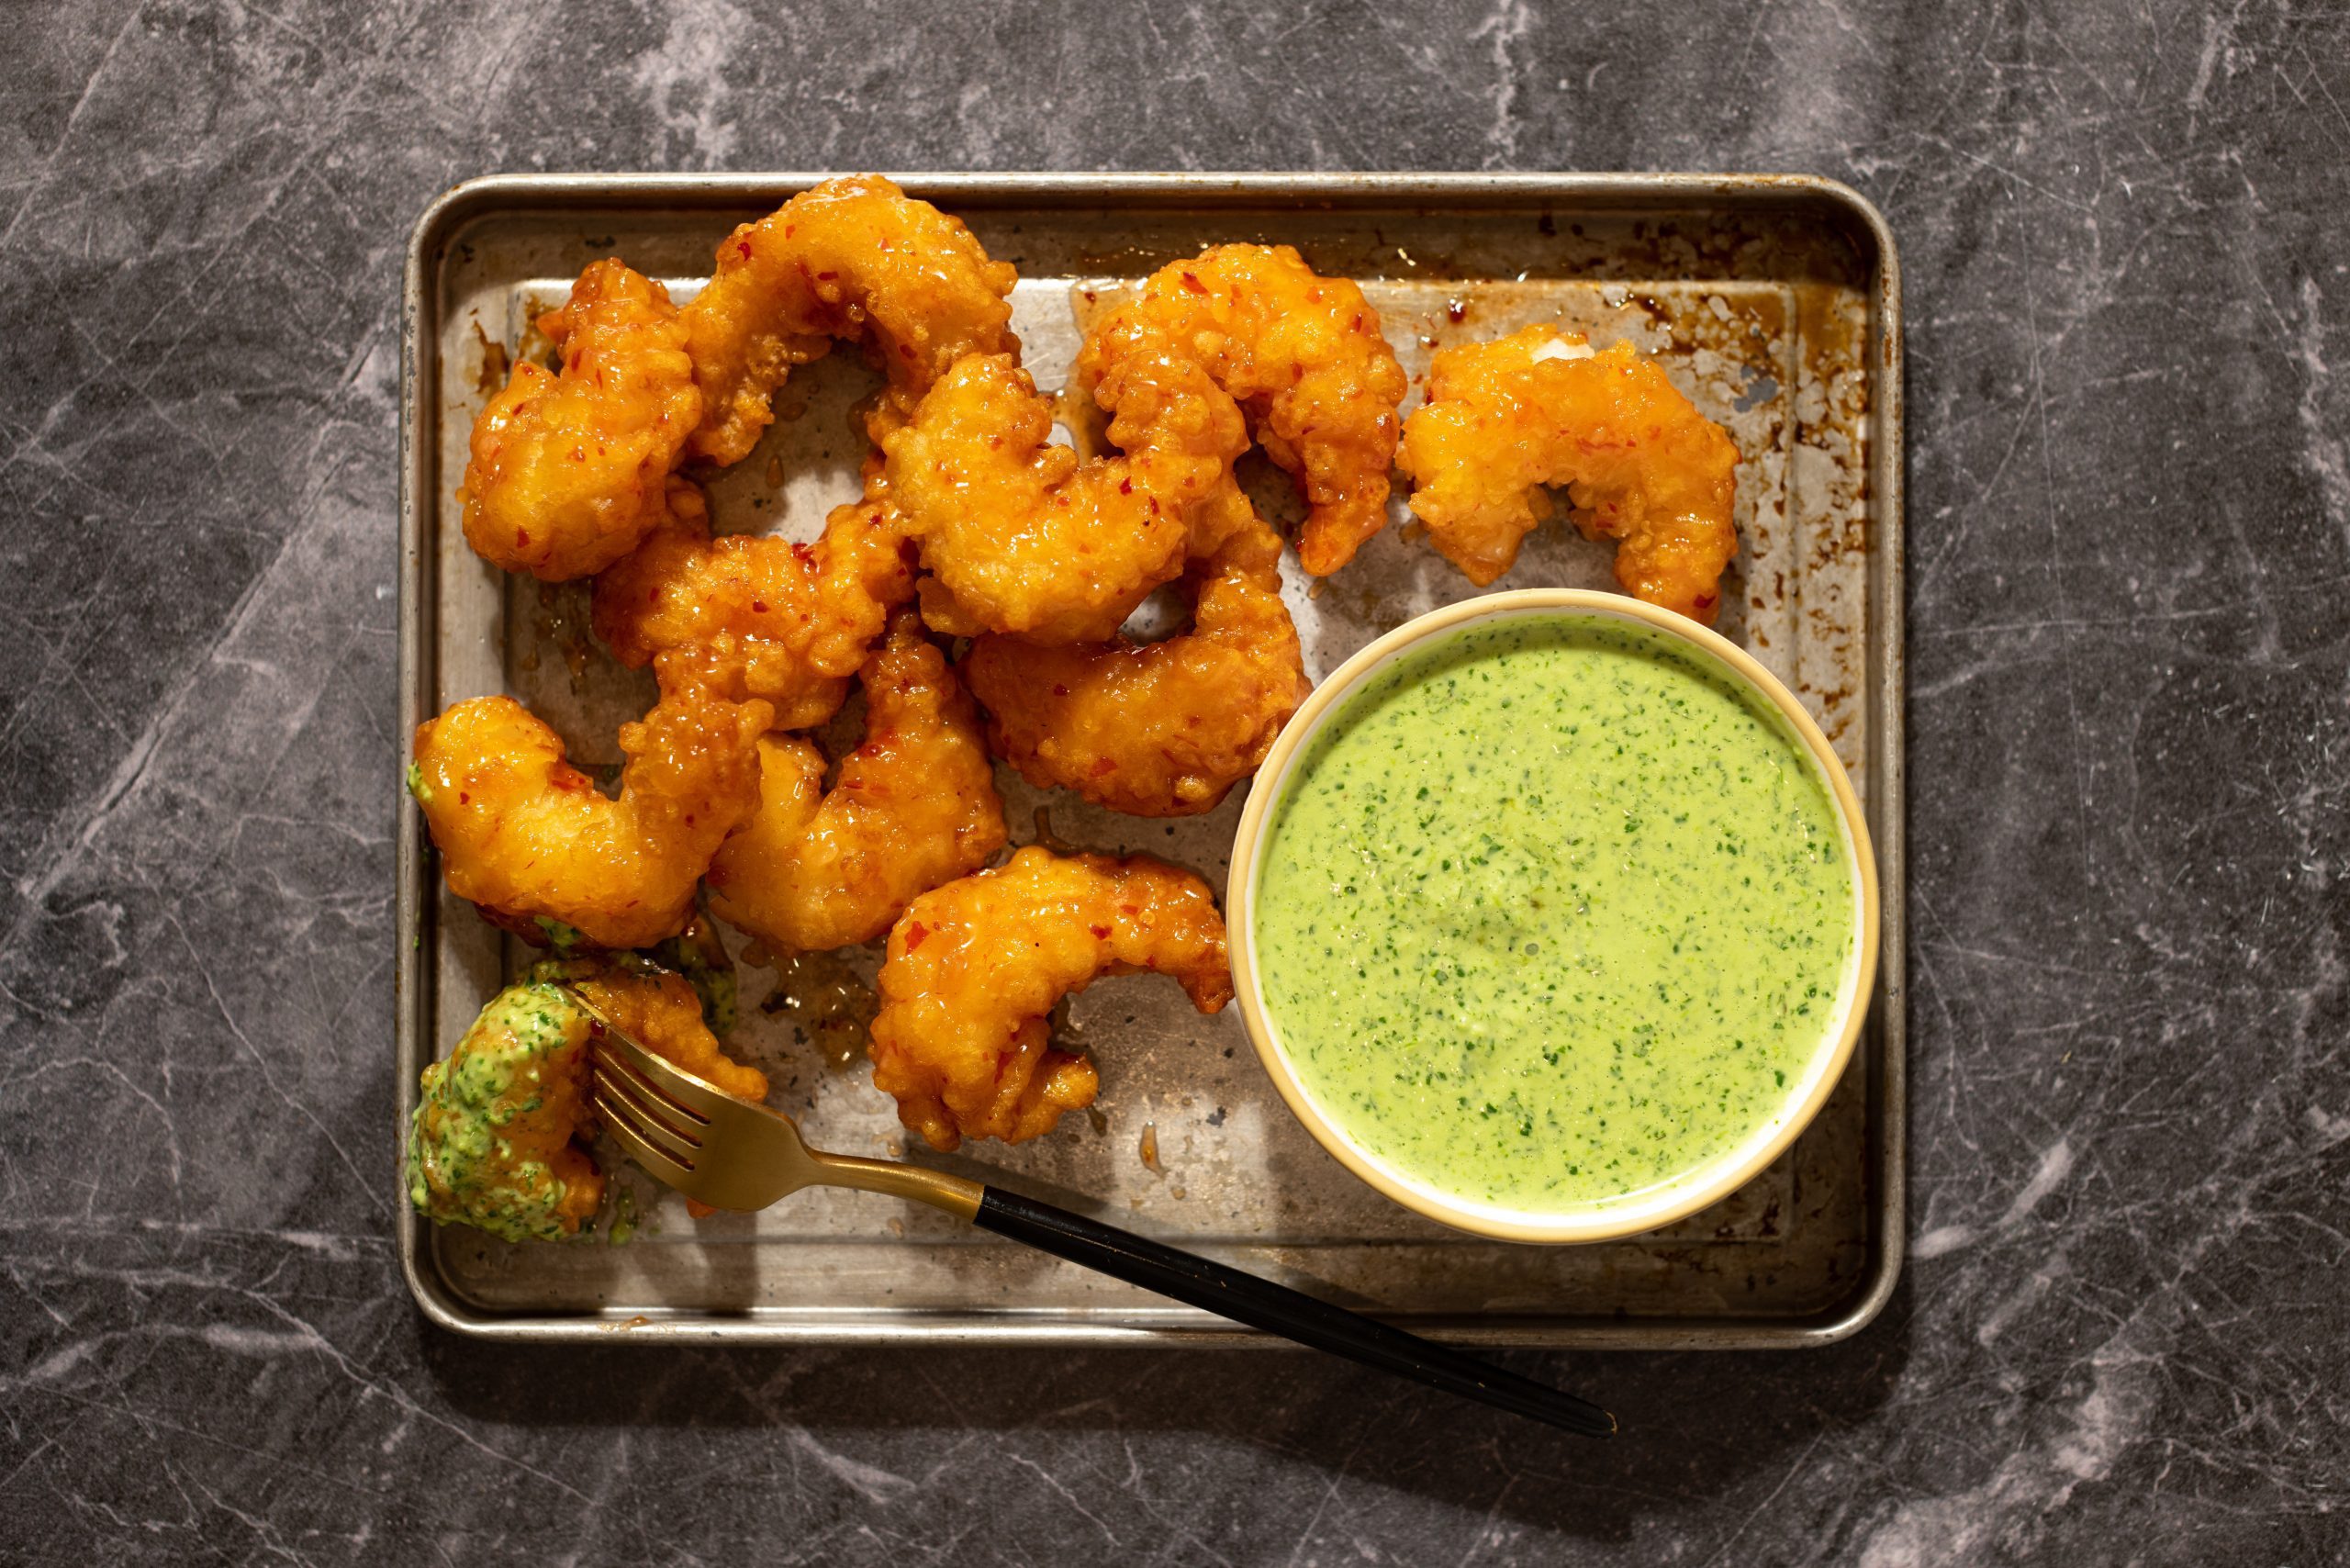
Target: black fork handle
[1277, 1309]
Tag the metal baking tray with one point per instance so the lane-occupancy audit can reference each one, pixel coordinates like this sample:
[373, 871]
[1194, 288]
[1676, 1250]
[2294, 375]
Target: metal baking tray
[1774, 301]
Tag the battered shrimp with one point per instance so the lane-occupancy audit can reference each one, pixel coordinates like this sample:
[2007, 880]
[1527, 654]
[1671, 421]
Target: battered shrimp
[751, 617]
[973, 968]
[499, 1141]
[568, 468]
[852, 258]
[662, 1012]
[1538, 408]
[1022, 537]
[530, 839]
[1302, 353]
[496, 1139]
[915, 806]
[1161, 730]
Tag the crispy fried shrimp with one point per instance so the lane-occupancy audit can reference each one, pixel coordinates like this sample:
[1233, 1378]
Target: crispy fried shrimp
[1022, 537]
[1163, 729]
[568, 468]
[662, 1012]
[915, 806]
[1302, 353]
[497, 1140]
[1538, 408]
[973, 968]
[531, 840]
[752, 617]
[853, 258]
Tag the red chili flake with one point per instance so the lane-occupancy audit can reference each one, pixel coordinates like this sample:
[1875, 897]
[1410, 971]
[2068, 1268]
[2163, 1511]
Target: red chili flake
[744, 246]
[758, 607]
[1101, 933]
[827, 277]
[1125, 487]
[1193, 284]
[463, 798]
[522, 538]
[1102, 766]
[1455, 312]
[916, 934]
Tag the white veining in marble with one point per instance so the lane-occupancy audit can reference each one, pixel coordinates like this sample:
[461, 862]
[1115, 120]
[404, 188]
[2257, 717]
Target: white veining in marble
[2121, 1336]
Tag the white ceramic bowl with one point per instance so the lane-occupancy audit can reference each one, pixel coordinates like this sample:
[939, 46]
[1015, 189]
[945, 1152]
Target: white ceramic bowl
[1600, 1219]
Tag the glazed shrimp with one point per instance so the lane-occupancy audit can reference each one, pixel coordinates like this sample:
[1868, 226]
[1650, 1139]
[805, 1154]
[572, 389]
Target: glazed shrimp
[530, 840]
[853, 258]
[914, 806]
[1163, 729]
[1643, 466]
[752, 617]
[498, 1141]
[961, 1040]
[1303, 354]
[1020, 536]
[659, 1010]
[567, 469]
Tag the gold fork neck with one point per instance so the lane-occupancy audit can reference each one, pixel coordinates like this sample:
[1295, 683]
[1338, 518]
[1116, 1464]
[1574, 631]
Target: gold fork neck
[955, 1194]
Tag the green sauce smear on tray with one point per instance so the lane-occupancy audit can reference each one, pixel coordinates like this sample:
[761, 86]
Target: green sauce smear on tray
[1552, 911]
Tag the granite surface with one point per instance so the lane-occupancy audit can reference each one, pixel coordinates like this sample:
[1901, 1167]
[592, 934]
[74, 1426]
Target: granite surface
[2123, 1337]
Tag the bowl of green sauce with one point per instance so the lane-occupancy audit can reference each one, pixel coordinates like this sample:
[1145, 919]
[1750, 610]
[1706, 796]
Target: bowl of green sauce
[1554, 916]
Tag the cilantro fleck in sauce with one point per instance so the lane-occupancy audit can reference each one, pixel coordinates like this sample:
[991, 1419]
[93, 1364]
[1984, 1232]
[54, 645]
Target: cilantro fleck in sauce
[491, 1144]
[1552, 911]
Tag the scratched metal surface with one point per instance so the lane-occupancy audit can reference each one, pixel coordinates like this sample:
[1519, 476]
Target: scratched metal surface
[1768, 304]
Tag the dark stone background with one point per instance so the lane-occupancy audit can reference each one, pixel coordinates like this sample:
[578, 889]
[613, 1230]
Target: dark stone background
[2123, 1337]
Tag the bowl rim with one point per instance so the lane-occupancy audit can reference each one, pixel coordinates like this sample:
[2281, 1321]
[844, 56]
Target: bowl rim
[1603, 1224]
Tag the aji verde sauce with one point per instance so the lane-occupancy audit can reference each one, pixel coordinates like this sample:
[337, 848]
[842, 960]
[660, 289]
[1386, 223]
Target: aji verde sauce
[1552, 911]
[491, 1142]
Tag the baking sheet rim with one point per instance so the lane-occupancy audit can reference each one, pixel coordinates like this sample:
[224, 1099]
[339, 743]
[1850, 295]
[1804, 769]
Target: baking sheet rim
[1887, 1118]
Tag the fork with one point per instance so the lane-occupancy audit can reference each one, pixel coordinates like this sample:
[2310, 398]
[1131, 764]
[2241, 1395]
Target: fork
[731, 1154]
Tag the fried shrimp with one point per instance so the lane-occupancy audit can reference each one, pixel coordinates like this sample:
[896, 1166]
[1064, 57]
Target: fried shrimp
[915, 806]
[1643, 466]
[1163, 729]
[498, 1141]
[751, 617]
[1303, 354]
[661, 1011]
[568, 467]
[1019, 535]
[530, 840]
[853, 258]
[973, 969]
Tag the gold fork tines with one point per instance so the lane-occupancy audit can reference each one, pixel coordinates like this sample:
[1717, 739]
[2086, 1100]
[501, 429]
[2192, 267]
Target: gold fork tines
[628, 1106]
[730, 1153]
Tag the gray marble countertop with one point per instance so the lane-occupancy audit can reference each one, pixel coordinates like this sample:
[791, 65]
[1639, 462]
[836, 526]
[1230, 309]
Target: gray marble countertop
[2121, 1337]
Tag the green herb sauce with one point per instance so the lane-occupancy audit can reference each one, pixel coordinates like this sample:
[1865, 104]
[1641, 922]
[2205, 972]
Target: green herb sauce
[1552, 911]
[471, 1153]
